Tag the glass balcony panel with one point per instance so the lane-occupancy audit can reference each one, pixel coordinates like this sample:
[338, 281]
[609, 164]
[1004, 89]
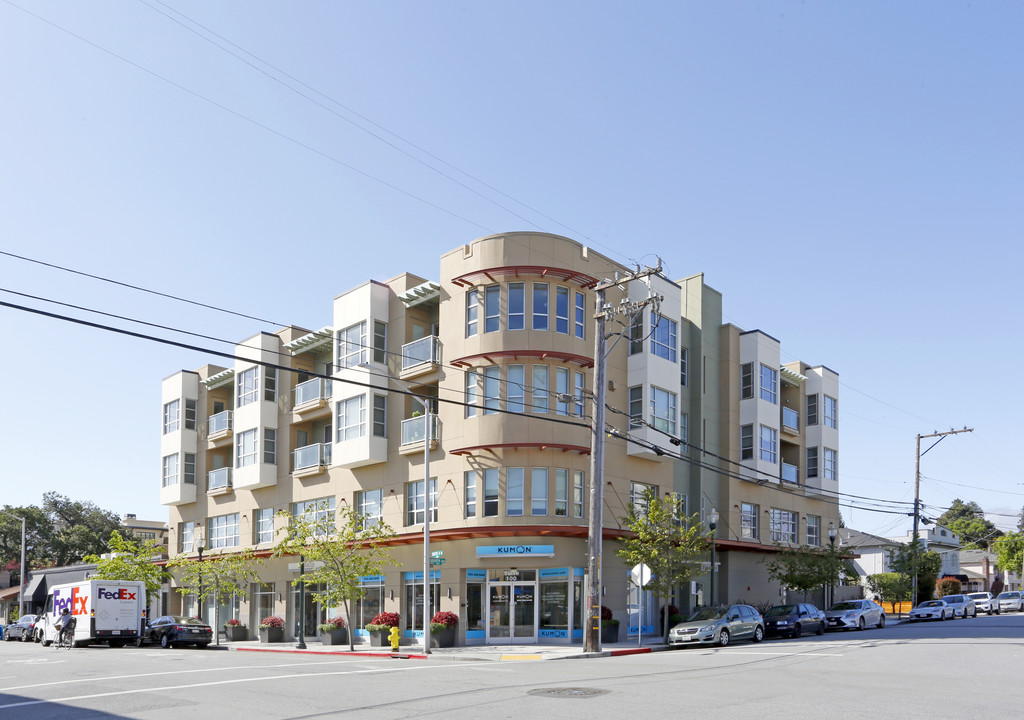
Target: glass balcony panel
[312, 390]
[789, 473]
[413, 429]
[220, 422]
[311, 456]
[218, 479]
[790, 418]
[422, 351]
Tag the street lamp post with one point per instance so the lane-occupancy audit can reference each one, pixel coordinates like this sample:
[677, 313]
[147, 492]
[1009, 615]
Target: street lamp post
[301, 610]
[713, 526]
[427, 427]
[21, 577]
[832, 545]
[199, 546]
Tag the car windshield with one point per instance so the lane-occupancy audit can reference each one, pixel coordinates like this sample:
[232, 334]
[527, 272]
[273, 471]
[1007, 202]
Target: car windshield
[711, 613]
[1008, 595]
[954, 598]
[978, 596]
[846, 606]
[782, 610]
[187, 621]
[932, 603]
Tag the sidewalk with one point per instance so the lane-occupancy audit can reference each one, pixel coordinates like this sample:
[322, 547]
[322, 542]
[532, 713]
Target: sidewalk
[462, 653]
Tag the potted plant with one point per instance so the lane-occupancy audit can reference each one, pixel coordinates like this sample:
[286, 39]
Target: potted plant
[235, 631]
[442, 629]
[272, 629]
[334, 632]
[380, 627]
[609, 626]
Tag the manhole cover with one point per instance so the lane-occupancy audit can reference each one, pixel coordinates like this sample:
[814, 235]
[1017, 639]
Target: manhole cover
[568, 692]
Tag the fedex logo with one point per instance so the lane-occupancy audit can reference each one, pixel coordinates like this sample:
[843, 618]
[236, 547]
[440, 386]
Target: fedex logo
[116, 594]
[75, 601]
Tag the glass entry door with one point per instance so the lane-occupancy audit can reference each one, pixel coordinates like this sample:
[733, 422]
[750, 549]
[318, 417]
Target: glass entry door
[511, 612]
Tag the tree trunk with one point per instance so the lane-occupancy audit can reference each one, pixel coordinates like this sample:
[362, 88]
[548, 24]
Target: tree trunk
[351, 630]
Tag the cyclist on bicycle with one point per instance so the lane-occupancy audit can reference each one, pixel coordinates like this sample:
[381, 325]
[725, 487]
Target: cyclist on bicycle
[65, 626]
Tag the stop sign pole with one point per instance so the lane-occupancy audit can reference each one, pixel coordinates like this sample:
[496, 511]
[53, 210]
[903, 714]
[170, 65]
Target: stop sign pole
[640, 575]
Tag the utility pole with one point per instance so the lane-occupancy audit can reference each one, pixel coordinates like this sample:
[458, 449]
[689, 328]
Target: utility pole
[592, 633]
[917, 500]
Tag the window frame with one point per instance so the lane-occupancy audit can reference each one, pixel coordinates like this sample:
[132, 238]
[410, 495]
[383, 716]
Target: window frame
[414, 502]
[659, 422]
[247, 447]
[515, 388]
[379, 418]
[492, 308]
[747, 442]
[539, 491]
[492, 390]
[768, 384]
[768, 447]
[664, 337]
[247, 386]
[172, 416]
[351, 346]
[749, 520]
[515, 491]
[516, 313]
[831, 414]
[472, 312]
[580, 316]
[344, 429]
[562, 309]
[746, 381]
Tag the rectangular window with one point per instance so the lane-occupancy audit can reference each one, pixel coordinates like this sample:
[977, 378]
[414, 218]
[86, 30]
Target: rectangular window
[223, 531]
[638, 498]
[679, 510]
[492, 390]
[539, 491]
[263, 525]
[562, 391]
[190, 414]
[561, 492]
[472, 311]
[636, 406]
[562, 310]
[769, 384]
[683, 431]
[812, 462]
[170, 470]
[414, 502]
[380, 416]
[540, 389]
[471, 393]
[814, 530]
[270, 446]
[517, 306]
[188, 533]
[578, 388]
[684, 355]
[663, 337]
[830, 466]
[172, 416]
[746, 442]
[663, 410]
[746, 381]
[577, 493]
[749, 520]
[812, 409]
[515, 389]
[783, 525]
[492, 308]
[769, 443]
[352, 346]
[369, 505]
[189, 469]
[540, 306]
[380, 341]
[636, 333]
[270, 384]
[351, 421]
[581, 331]
[246, 443]
[831, 412]
[471, 493]
[491, 492]
[247, 387]
[514, 481]
[319, 512]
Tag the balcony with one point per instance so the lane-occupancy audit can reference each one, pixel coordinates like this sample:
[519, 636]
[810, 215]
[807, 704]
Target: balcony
[420, 357]
[790, 473]
[312, 399]
[219, 428]
[311, 459]
[790, 421]
[413, 433]
[218, 481]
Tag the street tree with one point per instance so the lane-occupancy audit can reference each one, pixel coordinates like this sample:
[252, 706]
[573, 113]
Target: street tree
[1020, 521]
[1009, 551]
[911, 558]
[221, 578]
[130, 559]
[671, 545]
[37, 540]
[807, 568]
[338, 547]
[968, 521]
[78, 528]
[890, 587]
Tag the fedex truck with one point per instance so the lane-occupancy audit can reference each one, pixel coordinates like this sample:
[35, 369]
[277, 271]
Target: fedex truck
[110, 611]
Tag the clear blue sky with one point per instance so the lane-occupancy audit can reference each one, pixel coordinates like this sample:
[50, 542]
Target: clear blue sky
[848, 175]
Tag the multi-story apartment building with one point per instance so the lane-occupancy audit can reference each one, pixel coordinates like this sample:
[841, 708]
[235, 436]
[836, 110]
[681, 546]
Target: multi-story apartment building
[489, 369]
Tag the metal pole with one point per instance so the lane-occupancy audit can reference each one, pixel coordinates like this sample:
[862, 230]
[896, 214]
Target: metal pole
[21, 578]
[592, 632]
[301, 612]
[199, 600]
[426, 531]
[917, 518]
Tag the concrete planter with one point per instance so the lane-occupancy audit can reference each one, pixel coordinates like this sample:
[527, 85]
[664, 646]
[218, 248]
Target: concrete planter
[236, 633]
[271, 635]
[609, 632]
[338, 636]
[443, 638]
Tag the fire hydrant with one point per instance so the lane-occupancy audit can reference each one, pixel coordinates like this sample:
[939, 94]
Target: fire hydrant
[393, 637]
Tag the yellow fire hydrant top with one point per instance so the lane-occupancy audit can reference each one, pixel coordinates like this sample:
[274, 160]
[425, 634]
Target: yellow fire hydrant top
[393, 637]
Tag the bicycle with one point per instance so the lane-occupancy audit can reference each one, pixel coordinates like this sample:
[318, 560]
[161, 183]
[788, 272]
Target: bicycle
[66, 636]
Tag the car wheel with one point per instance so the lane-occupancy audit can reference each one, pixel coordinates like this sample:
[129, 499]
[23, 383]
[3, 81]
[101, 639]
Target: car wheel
[39, 636]
[798, 630]
[138, 642]
[758, 633]
[861, 624]
[202, 646]
[165, 641]
[7, 636]
[723, 637]
[25, 638]
[821, 628]
[881, 621]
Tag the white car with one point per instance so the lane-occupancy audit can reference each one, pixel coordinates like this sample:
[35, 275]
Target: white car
[985, 602]
[854, 614]
[931, 610]
[1009, 601]
[962, 605]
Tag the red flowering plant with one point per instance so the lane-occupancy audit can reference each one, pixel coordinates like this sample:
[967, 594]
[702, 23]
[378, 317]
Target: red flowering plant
[233, 622]
[271, 622]
[335, 623]
[443, 621]
[607, 619]
[383, 621]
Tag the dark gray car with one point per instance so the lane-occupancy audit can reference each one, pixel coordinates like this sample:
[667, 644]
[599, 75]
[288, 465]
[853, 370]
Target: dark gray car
[23, 629]
[794, 620]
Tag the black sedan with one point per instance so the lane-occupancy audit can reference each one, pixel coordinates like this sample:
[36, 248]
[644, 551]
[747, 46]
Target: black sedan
[23, 629]
[171, 630]
[794, 620]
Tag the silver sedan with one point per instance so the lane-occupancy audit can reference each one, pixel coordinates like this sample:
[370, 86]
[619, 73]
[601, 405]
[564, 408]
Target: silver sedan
[962, 605]
[854, 614]
[931, 610]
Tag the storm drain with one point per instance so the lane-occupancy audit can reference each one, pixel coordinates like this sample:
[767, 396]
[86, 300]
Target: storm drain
[568, 692]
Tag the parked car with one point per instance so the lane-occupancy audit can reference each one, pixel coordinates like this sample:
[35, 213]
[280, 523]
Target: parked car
[170, 630]
[24, 629]
[985, 602]
[962, 605]
[931, 610]
[794, 620]
[855, 614]
[719, 625]
[1009, 601]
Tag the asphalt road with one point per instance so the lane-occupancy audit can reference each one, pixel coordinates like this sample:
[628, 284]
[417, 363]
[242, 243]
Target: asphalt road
[953, 669]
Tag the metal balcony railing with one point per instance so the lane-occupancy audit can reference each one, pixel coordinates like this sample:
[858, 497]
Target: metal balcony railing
[312, 390]
[318, 455]
[790, 473]
[414, 429]
[218, 479]
[220, 422]
[420, 352]
[790, 418]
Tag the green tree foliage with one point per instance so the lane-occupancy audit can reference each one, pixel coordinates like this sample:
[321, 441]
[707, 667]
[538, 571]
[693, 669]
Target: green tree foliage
[673, 547]
[78, 528]
[807, 568]
[890, 587]
[1009, 551]
[338, 548]
[217, 577]
[131, 559]
[968, 521]
[911, 557]
[1020, 521]
[947, 586]
[37, 540]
